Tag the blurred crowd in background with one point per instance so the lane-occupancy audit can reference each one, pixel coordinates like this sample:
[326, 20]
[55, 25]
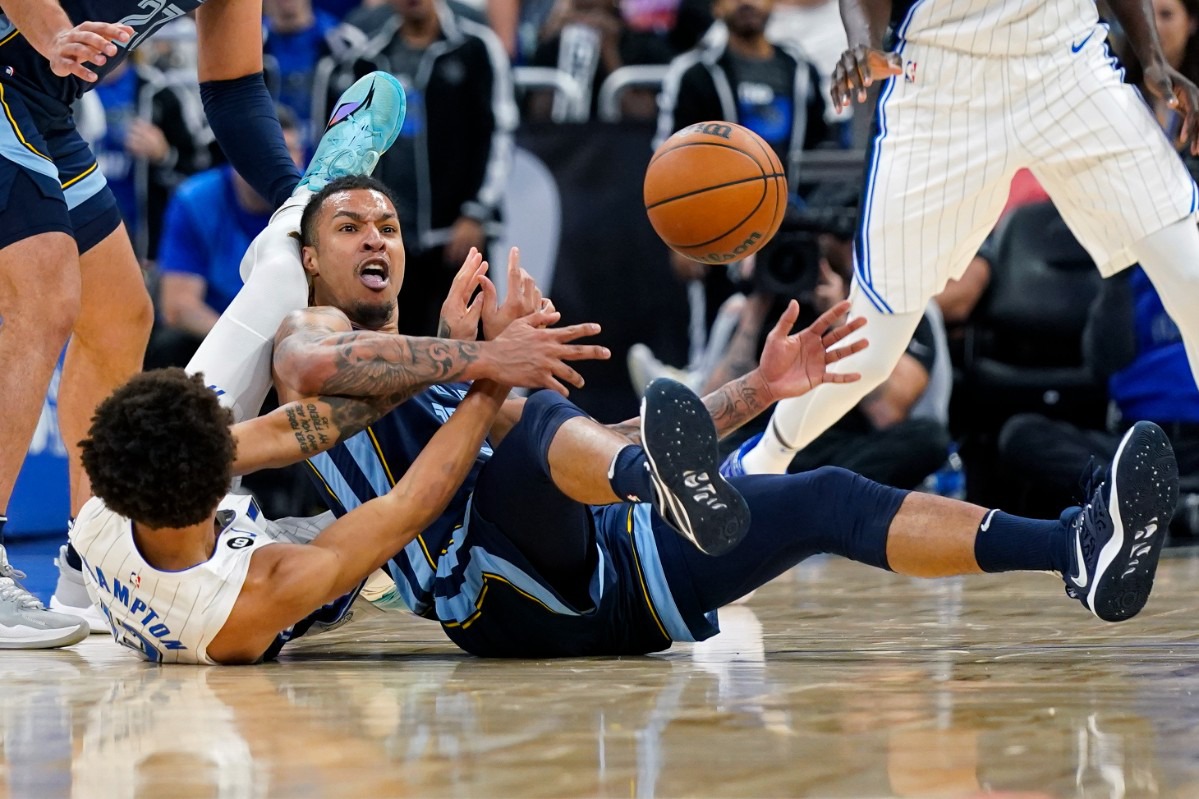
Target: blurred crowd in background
[1027, 367]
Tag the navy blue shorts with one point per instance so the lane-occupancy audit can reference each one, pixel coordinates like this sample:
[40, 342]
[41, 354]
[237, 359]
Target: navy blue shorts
[491, 602]
[49, 179]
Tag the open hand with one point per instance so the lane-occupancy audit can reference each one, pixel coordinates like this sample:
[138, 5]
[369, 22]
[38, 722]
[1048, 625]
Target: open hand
[87, 42]
[858, 68]
[530, 354]
[459, 314]
[792, 365]
[523, 297]
[1167, 83]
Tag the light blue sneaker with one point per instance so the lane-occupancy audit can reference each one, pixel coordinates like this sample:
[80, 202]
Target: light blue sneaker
[732, 466]
[364, 123]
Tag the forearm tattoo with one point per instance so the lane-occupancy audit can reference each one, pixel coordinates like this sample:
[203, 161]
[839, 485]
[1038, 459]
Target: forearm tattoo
[321, 424]
[365, 364]
[730, 406]
[734, 404]
[395, 368]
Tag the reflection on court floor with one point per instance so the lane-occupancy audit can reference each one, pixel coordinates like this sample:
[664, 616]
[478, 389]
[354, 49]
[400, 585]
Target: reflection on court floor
[833, 681]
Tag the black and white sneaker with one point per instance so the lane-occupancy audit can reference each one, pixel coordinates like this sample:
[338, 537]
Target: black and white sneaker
[689, 493]
[1117, 539]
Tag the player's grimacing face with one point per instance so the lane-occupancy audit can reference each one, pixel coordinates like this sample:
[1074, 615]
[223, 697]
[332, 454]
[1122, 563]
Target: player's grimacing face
[357, 261]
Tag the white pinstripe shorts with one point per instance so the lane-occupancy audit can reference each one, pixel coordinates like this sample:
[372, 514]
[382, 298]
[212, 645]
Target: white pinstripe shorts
[953, 130]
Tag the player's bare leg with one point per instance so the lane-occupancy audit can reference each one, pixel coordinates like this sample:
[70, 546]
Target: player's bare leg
[39, 303]
[933, 536]
[675, 467]
[107, 344]
[796, 422]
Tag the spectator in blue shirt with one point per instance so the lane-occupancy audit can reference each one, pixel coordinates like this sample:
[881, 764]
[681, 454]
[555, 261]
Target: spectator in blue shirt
[209, 223]
[1133, 343]
[296, 36]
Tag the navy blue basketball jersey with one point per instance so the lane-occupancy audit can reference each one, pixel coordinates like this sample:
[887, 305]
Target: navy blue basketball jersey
[27, 69]
[357, 470]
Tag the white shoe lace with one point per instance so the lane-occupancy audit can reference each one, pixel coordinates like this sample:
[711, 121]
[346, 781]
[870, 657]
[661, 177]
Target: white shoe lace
[11, 591]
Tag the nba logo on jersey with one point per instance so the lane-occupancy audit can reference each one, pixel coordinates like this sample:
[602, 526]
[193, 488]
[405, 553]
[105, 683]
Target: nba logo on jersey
[909, 72]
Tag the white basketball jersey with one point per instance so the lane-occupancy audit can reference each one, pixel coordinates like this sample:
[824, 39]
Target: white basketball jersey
[169, 617]
[997, 27]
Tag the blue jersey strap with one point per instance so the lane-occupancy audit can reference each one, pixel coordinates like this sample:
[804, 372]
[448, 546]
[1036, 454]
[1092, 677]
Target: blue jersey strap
[242, 116]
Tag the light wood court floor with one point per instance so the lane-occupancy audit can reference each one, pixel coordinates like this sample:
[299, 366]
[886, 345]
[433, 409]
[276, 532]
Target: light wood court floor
[834, 681]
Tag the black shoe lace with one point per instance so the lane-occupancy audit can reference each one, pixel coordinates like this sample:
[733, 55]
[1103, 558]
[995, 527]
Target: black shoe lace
[1092, 475]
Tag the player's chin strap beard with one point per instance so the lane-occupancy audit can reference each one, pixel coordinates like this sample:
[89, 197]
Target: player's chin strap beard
[370, 316]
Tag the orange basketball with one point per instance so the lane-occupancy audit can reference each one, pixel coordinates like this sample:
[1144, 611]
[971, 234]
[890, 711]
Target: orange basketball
[715, 192]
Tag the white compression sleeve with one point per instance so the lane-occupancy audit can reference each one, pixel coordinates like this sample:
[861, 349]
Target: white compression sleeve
[235, 356]
[1170, 257]
[796, 422]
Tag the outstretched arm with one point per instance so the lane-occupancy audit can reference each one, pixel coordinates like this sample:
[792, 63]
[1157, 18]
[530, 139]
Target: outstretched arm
[317, 352]
[792, 364]
[286, 582]
[298, 430]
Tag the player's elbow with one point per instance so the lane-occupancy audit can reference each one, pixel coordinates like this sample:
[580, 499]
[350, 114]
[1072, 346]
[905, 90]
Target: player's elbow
[305, 370]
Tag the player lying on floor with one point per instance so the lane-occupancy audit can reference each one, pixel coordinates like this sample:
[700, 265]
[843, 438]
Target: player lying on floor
[520, 566]
[532, 559]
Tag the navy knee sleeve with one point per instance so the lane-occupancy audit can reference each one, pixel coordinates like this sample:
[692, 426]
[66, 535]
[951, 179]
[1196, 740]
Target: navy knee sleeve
[543, 414]
[792, 517]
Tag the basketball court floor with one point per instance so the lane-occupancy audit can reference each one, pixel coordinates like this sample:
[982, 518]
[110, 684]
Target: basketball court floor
[833, 681]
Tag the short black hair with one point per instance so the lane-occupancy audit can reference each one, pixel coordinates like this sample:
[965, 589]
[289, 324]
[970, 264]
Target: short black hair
[160, 451]
[346, 183]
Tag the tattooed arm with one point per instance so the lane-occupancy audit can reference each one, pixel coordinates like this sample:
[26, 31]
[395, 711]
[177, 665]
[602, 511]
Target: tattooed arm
[730, 406]
[792, 364]
[317, 352]
[299, 430]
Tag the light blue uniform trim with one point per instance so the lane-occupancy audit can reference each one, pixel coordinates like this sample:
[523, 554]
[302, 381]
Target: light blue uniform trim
[79, 193]
[464, 604]
[12, 149]
[421, 570]
[404, 588]
[332, 476]
[363, 452]
[655, 577]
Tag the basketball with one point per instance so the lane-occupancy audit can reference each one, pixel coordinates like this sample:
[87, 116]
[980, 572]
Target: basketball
[715, 192]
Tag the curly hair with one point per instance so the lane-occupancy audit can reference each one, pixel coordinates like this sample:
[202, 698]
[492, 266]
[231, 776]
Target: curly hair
[345, 183]
[159, 450]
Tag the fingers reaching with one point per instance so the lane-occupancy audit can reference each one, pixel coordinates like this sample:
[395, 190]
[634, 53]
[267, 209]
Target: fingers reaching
[830, 317]
[786, 320]
[838, 377]
[832, 356]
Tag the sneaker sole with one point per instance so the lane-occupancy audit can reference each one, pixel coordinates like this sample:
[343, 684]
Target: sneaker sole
[41, 639]
[680, 444]
[1140, 511]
